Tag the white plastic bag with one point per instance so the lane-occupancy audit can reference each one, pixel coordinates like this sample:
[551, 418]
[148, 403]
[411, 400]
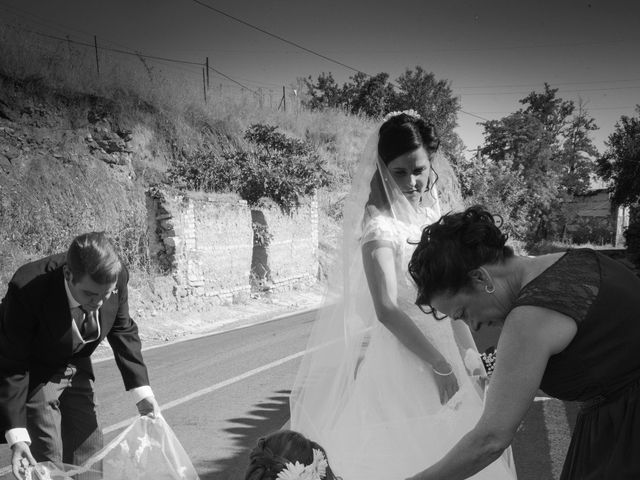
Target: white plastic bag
[146, 450]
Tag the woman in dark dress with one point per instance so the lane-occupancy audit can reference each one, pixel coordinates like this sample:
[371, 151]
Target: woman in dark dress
[571, 326]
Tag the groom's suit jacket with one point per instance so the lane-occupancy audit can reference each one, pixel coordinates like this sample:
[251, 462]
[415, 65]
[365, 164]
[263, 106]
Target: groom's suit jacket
[36, 336]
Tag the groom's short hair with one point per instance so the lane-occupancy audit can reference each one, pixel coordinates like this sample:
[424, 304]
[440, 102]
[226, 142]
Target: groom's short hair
[93, 254]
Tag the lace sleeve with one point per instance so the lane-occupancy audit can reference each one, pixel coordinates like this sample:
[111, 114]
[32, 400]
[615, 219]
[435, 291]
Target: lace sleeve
[569, 286]
[379, 228]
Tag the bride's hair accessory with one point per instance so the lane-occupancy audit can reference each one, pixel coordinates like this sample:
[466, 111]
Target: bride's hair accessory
[317, 470]
[411, 113]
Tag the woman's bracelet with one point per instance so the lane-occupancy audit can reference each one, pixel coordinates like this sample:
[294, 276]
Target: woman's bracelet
[442, 374]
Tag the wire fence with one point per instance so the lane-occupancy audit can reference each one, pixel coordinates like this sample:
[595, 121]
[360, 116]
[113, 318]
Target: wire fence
[96, 66]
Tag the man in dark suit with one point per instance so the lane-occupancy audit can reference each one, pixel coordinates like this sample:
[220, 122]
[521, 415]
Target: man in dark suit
[55, 313]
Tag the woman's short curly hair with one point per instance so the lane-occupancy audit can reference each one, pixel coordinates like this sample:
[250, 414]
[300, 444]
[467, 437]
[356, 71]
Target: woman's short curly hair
[454, 246]
[272, 453]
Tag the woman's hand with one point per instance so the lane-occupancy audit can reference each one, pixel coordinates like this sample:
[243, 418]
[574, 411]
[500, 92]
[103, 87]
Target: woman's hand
[445, 380]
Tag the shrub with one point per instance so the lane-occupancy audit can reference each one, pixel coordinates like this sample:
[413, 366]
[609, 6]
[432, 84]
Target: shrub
[276, 167]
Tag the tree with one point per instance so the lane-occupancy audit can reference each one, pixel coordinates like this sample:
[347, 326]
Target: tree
[373, 96]
[621, 162]
[501, 188]
[552, 111]
[322, 93]
[522, 140]
[621, 166]
[578, 153]
[550, 146]
[433, 99]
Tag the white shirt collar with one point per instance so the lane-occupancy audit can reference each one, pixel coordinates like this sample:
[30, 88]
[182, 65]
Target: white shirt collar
[73, 303]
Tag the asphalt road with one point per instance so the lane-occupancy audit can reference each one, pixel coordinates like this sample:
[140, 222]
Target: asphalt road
[220, 393]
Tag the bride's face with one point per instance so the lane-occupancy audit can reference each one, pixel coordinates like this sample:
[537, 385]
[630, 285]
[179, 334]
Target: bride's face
[411, 173]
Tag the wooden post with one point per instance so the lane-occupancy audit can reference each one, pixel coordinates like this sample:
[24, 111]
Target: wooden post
[284, 100]
[95, 42]
[207, 73]
[204, 85]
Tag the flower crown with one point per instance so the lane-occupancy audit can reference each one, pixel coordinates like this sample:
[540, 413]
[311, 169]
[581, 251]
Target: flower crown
[317, 470]
[412, 113]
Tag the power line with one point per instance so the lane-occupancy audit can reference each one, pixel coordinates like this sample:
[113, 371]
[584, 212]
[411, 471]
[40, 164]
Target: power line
[116, 50]
[604, 89]
[552, 85]
[135, 54]
[282, 39]
[199, 64]
[60, 27]
[297, 45]
[621, 107]
[475, 115]
[231, 79]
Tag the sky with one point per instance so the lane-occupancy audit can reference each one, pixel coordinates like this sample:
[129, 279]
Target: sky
[493, 52]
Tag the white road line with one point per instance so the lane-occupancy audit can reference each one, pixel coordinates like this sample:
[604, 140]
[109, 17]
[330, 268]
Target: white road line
[212, 388]
[199, 393]
[222, 327]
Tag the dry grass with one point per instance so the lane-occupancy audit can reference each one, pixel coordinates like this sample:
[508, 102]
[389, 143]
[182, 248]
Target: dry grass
[164, 109]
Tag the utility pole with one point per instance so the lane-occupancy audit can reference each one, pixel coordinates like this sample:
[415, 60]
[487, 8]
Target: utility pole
[207, 64]
[95, 43]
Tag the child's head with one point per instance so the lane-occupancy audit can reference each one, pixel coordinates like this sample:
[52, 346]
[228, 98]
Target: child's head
[291, 452]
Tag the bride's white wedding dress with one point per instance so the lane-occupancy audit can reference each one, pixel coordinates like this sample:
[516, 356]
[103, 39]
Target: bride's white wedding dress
[389, 423]
[360, 393]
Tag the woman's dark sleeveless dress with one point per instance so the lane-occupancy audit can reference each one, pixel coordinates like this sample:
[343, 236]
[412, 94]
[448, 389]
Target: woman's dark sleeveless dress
[601, 366]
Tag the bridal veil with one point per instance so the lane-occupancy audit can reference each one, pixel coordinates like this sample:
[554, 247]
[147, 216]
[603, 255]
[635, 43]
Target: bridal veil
[346, 391]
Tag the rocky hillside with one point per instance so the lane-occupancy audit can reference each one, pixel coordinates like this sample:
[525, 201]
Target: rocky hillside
[72, 163]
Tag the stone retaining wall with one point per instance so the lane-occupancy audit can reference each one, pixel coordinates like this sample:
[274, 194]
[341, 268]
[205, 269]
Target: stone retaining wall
[217, 249]
[286, 247]
[204, 241]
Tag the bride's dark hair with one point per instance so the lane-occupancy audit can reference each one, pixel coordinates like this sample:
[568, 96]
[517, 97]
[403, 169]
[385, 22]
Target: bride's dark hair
[401, 134]
[272, 453]
[404, 133]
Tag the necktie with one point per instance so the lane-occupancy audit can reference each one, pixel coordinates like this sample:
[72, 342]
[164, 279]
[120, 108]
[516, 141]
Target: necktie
[89, 327]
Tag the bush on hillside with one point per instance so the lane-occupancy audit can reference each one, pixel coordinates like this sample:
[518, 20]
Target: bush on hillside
[275, 166]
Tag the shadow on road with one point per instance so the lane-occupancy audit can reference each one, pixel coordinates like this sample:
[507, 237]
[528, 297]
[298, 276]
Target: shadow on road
[267, 416]
[541, 443]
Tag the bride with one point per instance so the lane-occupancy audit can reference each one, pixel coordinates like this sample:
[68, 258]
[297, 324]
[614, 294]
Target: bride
[383, 386]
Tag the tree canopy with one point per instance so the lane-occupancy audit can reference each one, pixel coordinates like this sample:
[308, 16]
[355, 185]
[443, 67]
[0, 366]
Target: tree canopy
[547, 147]
[375, 96]
[621, 162]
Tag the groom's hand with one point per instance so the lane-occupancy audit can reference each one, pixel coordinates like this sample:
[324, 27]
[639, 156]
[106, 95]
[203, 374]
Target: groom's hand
[21, 460]
[149, 406]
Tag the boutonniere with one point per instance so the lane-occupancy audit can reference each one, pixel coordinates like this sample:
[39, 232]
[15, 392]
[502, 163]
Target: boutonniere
[114, 292]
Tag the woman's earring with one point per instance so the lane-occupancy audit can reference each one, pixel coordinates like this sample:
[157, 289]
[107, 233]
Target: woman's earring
[489, 289]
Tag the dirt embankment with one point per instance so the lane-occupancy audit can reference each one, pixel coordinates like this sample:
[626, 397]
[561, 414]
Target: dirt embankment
[71, 163]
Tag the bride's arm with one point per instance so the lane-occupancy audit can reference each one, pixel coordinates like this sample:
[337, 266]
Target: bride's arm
[379, 267]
